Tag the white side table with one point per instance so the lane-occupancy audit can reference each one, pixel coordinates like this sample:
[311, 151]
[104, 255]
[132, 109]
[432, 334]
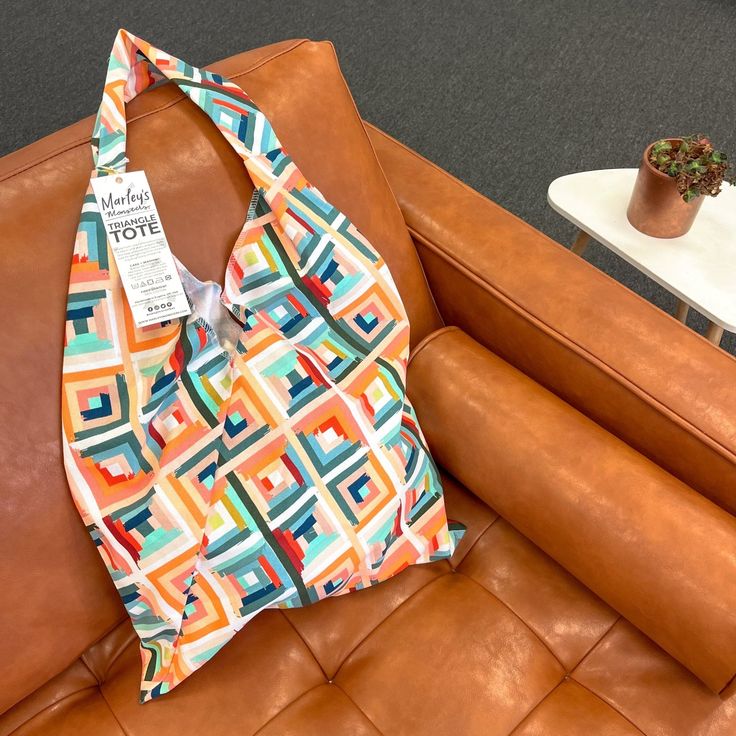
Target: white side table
[699, 268]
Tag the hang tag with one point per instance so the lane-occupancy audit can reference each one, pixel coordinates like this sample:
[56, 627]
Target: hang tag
[138, 242]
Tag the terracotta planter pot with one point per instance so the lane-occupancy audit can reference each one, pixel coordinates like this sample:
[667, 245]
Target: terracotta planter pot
[656, 207]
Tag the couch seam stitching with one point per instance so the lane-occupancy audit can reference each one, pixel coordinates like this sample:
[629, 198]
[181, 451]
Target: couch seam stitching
[610, 705]
[82, 141]
[535, 706]
[598, 641]
[568, 670]
[382, 622]
[46, 707]
[578, 348]
[78, 657]
[66, 697]
[134, 640]
[304, 642]
[726, 686]
[359, 709]
[81, 655]
[112, 712]
[287, 706]
[516, 615]
[428, 339]
[477, 539]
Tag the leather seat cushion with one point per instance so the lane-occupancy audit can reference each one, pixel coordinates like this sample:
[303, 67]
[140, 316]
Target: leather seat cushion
[509, 640]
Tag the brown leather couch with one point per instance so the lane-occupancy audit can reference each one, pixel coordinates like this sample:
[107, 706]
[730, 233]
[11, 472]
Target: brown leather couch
[588, 442]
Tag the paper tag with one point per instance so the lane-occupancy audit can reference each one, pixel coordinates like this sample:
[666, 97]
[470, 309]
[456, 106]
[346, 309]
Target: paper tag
[138, 242]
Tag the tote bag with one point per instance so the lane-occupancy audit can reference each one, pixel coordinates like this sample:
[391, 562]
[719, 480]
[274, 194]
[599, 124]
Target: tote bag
[260, 452]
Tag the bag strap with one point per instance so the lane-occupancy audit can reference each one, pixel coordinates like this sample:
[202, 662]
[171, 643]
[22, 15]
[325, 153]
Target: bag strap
[135, 65]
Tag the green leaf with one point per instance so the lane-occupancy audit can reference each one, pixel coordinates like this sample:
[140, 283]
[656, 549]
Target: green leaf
[690, 194]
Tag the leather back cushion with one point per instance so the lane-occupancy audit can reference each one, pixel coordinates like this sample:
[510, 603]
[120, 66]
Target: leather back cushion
[62, 599]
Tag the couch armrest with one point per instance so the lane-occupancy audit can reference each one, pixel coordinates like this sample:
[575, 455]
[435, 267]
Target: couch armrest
[632, 368]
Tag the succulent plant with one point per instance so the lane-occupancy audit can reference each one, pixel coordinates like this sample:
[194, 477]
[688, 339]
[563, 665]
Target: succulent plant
[694, 163]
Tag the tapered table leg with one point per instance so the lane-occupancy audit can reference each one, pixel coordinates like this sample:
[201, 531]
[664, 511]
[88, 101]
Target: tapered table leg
[682, 310]
[581, 243]
[714, 333]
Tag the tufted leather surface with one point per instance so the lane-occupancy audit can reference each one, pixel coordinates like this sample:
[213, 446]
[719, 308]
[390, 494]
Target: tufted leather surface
[597, 506]
[504, 639]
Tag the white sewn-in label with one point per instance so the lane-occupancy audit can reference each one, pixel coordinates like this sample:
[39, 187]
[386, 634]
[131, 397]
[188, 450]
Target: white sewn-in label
[138, 242]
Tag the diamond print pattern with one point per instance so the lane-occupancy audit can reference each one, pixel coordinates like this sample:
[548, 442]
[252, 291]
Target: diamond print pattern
[224, 466]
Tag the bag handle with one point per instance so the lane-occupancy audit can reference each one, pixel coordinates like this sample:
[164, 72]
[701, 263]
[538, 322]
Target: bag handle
[135, 65]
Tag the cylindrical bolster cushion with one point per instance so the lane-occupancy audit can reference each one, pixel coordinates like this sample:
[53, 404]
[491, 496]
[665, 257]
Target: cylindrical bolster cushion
[649, 545]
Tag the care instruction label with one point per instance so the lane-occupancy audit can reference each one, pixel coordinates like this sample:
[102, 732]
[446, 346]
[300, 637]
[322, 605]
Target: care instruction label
[142, 254]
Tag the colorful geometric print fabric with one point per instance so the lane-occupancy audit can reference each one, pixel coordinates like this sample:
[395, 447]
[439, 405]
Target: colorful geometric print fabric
[261, 452]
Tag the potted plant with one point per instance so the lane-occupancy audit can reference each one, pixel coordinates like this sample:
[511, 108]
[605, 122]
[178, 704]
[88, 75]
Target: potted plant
[674, 176]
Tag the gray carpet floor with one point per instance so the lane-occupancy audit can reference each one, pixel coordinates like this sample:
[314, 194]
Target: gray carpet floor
[505, 94]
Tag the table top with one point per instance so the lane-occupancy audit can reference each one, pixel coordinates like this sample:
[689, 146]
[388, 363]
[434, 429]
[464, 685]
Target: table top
[699, 267]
